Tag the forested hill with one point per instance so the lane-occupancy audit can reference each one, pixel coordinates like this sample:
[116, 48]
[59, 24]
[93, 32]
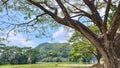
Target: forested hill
[52, 45]
[54, 52]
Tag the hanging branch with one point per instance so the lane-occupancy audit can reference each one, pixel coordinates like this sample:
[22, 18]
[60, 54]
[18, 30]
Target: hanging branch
[115, 23]
[80, 11]
[66, 14]
[36, 18]
[106, 16]
[53, 8]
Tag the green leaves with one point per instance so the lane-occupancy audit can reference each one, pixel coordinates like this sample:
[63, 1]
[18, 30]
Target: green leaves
[82, 48]
[1, 9]
[17, 55]
[53, 52]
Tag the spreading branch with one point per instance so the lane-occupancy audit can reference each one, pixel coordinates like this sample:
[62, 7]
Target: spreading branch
[80, 11]
[106, 16]
[66, 14]
[115, 23]
[95, 15]
[36, 18]
[53, 8]
[42, 8]
[4, 2]
[71, 23]
[85, 31]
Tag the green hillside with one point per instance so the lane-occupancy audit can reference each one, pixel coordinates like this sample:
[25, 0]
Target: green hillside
[53, 52]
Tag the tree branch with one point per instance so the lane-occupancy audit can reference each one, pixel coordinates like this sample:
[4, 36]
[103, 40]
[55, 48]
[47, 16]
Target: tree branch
[55, 9]
[106, 15]
[95, 15]
[71, 23]
[36, 18]
[93, 52]
[85, 31]
[41, 7]
[80, 11]
[115, 23]
[4, 2]
[63, 9]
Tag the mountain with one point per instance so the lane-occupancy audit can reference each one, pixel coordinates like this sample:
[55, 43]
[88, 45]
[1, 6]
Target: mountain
[53, 52]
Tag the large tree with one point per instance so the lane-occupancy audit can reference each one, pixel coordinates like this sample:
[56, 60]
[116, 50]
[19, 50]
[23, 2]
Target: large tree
[72, 12]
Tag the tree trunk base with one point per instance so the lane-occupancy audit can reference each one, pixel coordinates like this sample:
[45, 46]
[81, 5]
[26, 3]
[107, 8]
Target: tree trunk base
[98, 65]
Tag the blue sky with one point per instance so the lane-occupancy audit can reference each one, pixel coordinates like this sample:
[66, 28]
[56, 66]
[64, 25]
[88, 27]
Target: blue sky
[60, 35]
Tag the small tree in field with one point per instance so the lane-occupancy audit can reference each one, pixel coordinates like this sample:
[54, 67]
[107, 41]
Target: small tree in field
[71, 13]
[83, 48]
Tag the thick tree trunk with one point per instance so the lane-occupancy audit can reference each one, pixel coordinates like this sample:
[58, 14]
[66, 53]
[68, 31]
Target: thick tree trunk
[112, 52]
[112, 61]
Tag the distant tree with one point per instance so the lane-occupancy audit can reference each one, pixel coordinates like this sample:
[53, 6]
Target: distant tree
[32, 55]
[17, 55]
[74, 56]
[82, 48]
[4, 55]
[64, 50]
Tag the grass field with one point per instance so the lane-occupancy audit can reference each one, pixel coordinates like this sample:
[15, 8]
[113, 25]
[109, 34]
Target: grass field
[48, 65]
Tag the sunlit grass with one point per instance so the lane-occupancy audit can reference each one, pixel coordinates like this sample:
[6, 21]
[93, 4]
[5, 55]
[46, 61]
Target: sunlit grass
[48, 65]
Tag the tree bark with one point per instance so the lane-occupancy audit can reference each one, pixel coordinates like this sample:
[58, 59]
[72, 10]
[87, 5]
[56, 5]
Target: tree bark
[112, 61]
[111, 52]
[98, 56]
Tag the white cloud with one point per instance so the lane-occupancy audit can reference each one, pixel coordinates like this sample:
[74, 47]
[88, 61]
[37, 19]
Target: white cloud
[62, 35]
[19, 40]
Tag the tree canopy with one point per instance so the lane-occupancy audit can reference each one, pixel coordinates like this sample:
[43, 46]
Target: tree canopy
[83, 49]
[17, 55]
[54, 52]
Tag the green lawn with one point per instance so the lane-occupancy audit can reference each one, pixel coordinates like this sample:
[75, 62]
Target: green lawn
[48, 65]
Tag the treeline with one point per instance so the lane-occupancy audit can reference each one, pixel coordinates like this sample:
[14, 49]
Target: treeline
[46, 52]
[17, 55]
[65, 52]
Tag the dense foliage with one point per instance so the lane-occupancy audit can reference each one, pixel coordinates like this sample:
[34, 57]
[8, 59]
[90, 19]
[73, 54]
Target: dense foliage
[46, 52]
[82, 48]
[17, 55]
[54, 52]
